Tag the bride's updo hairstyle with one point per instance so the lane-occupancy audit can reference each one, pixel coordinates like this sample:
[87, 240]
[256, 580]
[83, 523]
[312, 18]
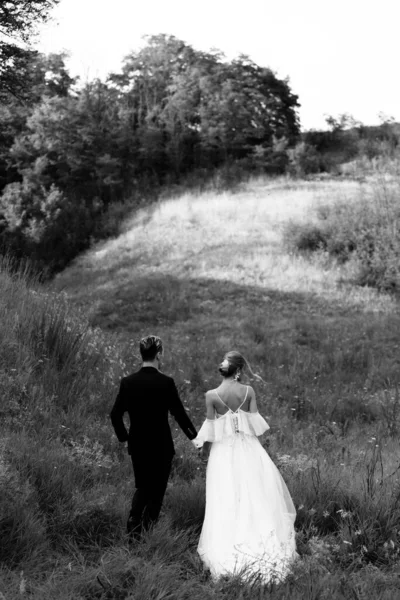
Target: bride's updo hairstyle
[235, 363]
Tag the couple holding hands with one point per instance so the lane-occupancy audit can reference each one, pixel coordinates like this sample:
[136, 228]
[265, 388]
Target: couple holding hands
[248, 527]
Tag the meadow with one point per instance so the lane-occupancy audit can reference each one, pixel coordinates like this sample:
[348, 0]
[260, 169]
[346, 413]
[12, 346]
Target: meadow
[208, 271]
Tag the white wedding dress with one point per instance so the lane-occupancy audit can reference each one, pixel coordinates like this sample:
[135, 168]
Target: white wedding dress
[248, 528]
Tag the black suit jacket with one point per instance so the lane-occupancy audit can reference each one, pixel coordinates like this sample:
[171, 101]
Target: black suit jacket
[148, 396]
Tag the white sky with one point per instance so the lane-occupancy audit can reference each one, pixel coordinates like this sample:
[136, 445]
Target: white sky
[340, 56]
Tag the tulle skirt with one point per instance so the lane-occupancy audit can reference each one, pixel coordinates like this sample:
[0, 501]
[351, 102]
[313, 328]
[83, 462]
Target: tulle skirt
[249, 520]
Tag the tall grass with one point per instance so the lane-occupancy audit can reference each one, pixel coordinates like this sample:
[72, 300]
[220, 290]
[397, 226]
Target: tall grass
[57, 378]
[331, 399]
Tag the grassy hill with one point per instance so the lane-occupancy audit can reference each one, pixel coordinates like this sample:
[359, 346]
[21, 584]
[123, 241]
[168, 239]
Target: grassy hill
[208, 273]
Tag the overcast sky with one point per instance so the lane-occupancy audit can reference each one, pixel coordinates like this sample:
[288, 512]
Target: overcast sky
[340, 56]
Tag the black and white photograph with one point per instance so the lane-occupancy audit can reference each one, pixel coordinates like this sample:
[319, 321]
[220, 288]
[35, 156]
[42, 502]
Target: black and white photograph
[199, 300]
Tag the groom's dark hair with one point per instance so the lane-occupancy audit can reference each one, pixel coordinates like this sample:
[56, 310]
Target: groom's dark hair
[150, 346]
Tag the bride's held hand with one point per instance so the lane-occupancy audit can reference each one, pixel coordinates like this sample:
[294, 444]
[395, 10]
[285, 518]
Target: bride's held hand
[204, 457]
[205, 452]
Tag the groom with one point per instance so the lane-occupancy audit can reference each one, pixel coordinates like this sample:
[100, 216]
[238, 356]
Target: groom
[148, 396]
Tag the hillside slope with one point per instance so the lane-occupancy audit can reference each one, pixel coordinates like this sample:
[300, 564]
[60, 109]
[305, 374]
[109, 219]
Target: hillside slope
[208, 273]
[225, 237]
[212, 267]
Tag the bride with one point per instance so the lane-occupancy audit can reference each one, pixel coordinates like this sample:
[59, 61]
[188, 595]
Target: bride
[248, 527]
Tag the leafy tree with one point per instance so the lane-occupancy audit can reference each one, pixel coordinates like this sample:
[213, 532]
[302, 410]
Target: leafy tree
[147, 74]
[25, 75]
[342, 122]
[191, 108]
[143, 85]
[47, 77]
[69, 153]
[73, 162]
[243, 106]
[227, 109]
[75, 143]
[18, 19]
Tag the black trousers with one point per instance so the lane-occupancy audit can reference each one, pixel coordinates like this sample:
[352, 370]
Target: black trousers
[148, 497]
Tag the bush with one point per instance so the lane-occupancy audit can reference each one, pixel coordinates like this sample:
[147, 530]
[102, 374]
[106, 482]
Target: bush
[367, 229]
[303, 160]
[304, 237]
[44, 224]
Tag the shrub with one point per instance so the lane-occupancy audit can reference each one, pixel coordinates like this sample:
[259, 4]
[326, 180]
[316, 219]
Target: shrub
[304, 237]
[303, 160]
[367, 229]
[45, 224]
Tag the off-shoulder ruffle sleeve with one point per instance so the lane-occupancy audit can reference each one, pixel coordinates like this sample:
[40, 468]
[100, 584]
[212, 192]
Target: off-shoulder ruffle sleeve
[214, 430]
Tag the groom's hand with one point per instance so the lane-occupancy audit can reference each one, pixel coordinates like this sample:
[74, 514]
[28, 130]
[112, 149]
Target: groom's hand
[205, 452]
[203, 455]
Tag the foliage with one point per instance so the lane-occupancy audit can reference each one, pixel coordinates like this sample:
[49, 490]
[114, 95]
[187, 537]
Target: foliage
[73, 153]
[69, 158]
[43, 76]
[197, 109]
[304, 159]
[17, 22]
[69, 142]
[366, 231]
[74, 159]
[18, 18]
[347, 140]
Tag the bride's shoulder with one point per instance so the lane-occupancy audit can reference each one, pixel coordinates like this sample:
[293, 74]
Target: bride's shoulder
[210, 396]
[247, 387]
[250, 393]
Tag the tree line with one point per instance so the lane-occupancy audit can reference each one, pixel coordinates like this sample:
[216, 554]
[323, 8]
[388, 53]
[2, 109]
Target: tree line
[71, 153]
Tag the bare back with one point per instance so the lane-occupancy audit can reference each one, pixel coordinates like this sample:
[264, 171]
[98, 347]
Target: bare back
[230, 398]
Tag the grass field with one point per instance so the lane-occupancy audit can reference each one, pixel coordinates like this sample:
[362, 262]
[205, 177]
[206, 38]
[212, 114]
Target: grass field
[207, 272]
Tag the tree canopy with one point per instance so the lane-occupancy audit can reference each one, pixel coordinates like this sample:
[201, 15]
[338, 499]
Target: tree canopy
[197, 107]
[18, 20]
[69, 152]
